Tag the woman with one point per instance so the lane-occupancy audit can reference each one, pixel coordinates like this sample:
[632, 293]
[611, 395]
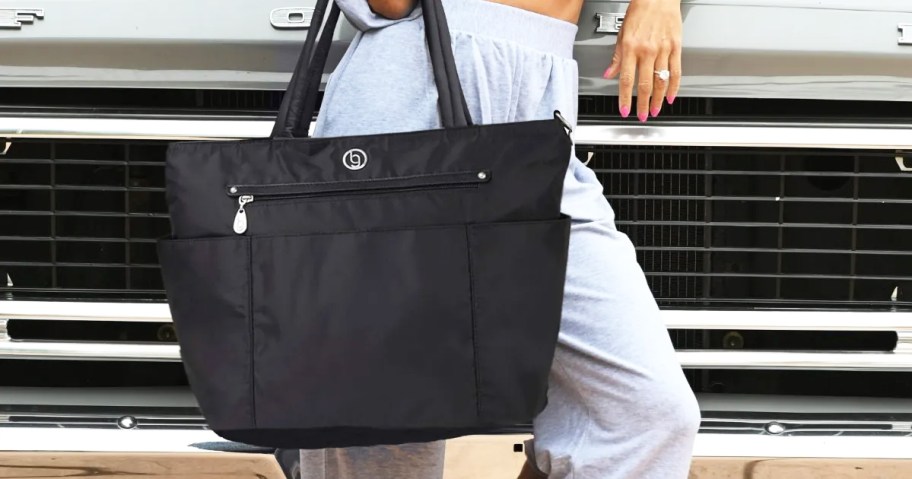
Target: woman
[619, 405]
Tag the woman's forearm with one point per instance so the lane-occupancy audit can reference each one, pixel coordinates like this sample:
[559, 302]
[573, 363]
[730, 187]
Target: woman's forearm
[392, 9]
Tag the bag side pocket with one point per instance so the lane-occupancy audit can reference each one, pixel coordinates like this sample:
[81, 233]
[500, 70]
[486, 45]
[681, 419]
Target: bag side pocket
[207, 281]
[518, 272]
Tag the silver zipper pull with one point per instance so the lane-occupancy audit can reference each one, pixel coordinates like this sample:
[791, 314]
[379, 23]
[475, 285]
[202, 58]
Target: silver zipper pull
[240, 219]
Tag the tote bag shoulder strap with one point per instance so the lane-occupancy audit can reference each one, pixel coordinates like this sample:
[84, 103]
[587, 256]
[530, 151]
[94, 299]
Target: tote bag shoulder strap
[299, 102]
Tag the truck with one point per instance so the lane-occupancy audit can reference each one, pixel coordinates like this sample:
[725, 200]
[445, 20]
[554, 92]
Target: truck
[771, 208]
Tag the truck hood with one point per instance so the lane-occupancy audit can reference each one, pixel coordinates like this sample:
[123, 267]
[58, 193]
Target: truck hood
[845, 50]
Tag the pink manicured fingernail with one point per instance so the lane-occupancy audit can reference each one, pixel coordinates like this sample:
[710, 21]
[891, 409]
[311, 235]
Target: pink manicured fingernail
[607, 73]
[625, 110]
[670, 99]
[654, 112]
[642, 117]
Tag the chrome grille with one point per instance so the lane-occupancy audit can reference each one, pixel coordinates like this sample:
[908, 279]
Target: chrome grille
[712, 226]
[80, 218]
[764, 227]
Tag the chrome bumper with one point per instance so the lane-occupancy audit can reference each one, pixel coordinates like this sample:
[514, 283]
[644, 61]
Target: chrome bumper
[899, 359]
[743, 134]
[50, 439]
[53, 452]
[185, 442]
[94, 421]
[118, 432]
[107, 420]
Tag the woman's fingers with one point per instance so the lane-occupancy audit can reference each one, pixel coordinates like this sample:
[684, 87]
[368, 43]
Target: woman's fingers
[648, 56]
[627, 77]
[674, 66]
[660, 83]
[646, 66]
[622, 65]
[615, 65]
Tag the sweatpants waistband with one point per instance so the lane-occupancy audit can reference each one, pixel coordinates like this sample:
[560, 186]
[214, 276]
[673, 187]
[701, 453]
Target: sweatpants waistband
[504, 22]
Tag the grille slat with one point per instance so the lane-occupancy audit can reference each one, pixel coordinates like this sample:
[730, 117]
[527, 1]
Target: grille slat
[105, 214]
[746, 224]
[763, 199]
[673, 171]
[777, 275]
[772, 250]
[61, 187]
[108, 293]
[77, 239]
[854, 247]
[74, 265]
[84, 162]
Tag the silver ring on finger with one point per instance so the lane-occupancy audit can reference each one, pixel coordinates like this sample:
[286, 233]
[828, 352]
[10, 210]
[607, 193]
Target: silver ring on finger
[663, 75]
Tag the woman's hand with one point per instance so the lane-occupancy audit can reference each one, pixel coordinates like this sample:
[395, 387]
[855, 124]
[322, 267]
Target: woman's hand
[649, 42]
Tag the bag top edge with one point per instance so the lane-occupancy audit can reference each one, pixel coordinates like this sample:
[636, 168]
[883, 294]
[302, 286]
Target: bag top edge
[552, 122]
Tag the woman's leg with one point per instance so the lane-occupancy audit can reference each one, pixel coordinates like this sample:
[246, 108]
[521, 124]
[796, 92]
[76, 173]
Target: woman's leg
[619, 404]
[408, 461]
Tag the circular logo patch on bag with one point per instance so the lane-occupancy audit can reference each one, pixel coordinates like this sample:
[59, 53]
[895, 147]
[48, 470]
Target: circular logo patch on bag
[354, 159]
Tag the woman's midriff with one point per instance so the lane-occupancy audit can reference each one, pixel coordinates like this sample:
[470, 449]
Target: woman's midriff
[567, 10]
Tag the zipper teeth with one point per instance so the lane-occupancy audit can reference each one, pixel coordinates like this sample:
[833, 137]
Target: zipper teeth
[264, 197]
[446, 180]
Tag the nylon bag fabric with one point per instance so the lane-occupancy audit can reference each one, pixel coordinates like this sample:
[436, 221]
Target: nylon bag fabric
[365, 290]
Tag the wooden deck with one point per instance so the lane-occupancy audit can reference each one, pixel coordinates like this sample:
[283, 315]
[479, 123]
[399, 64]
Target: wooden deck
[484, 457]
[48, 465]
[480, 457]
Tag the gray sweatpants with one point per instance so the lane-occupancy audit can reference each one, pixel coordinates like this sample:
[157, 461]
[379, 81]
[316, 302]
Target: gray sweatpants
[619, 405]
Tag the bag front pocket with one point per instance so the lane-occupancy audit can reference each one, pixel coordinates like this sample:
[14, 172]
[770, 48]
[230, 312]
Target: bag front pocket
[367, 329]
[372, 337]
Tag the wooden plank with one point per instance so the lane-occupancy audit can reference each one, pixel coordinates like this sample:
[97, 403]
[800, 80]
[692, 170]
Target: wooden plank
[25, 465]
[473, 457]
[492, 457]
[483, 457]
[773, 468]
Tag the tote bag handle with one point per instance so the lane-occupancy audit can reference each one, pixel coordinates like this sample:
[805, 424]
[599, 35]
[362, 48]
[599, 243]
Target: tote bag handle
[299, 102]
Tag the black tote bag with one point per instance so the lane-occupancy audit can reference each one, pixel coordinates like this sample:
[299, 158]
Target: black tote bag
[363, 290]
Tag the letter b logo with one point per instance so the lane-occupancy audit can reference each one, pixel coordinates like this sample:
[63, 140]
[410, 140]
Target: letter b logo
[354, 159]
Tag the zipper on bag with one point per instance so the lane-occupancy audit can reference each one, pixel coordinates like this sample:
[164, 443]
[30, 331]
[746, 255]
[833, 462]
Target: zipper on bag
[247, 193]
[240, 219]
